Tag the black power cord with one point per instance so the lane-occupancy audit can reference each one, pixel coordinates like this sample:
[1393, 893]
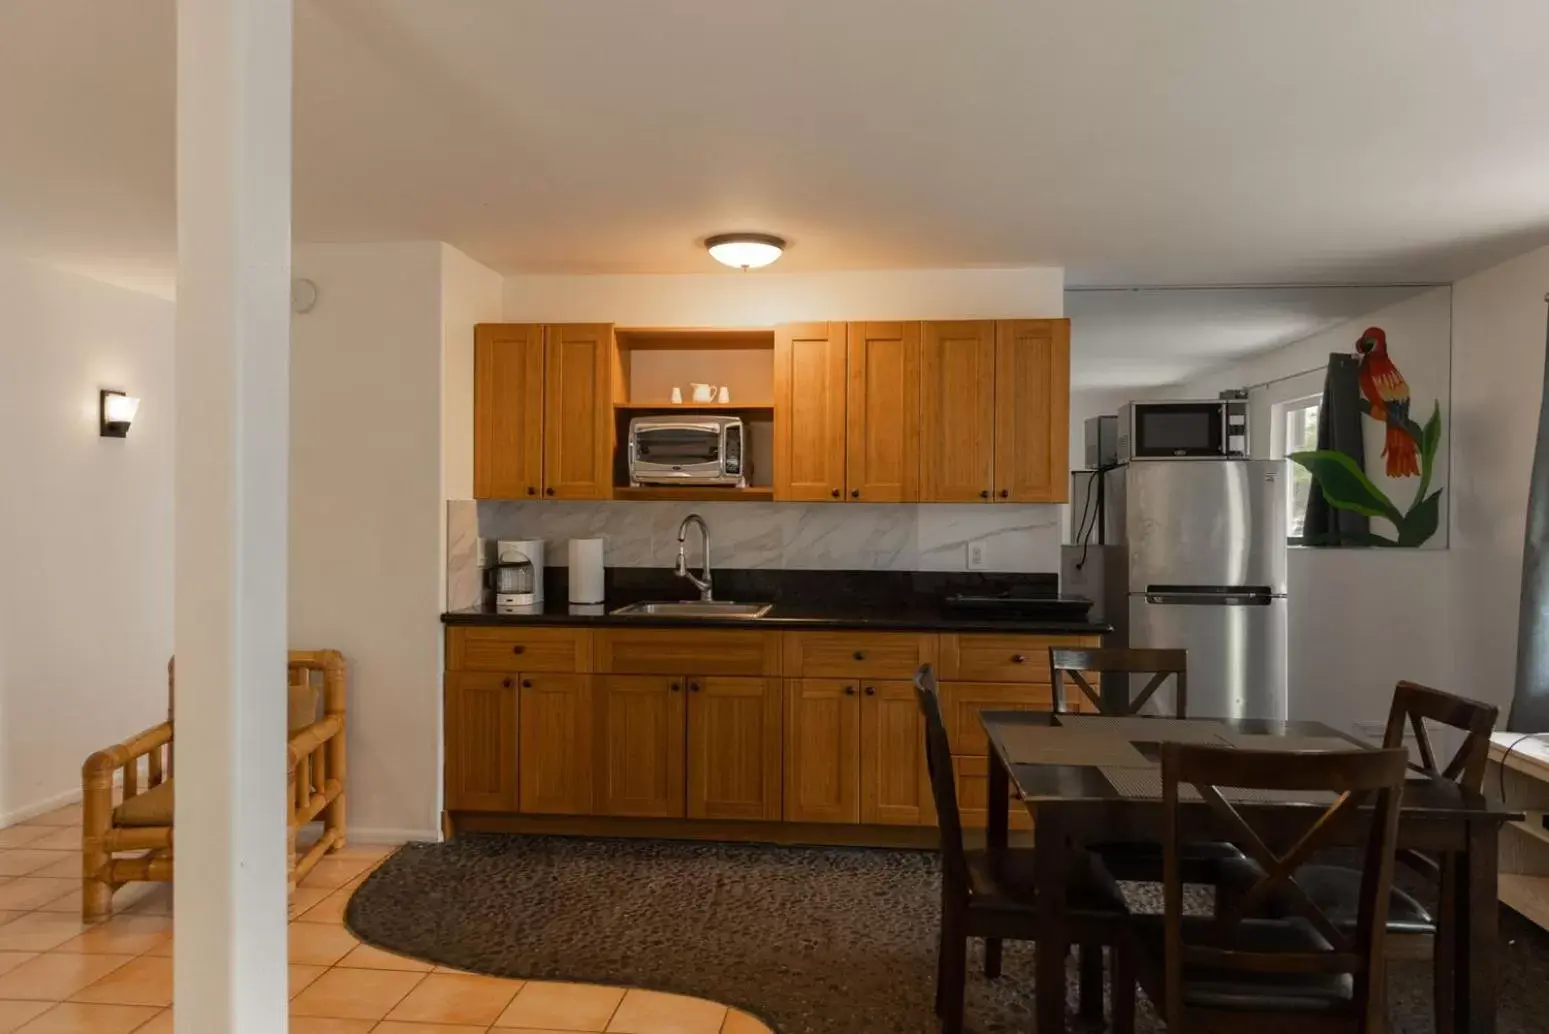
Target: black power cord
[1083, 531]
[1540, 736]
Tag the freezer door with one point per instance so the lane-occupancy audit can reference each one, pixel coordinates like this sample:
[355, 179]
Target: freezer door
[1236, 645]
[1205, 523]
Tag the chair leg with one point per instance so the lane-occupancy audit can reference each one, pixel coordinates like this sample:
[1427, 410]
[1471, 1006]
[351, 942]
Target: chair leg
[1442, 944]
[96, 825]
[1122, 989]
[993, 950]
[1091, 968]
[954, 979]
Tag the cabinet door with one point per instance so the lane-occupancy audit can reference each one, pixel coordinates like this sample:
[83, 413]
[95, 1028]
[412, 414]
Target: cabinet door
[556, 761]
[957, 411]
[882, 459]
[578, 411]
[480, 741]
[895, 781]
[809, 411]
[507, 410]
[972, 775]
[639, 741]
[822, 750]
[1032, 411]
[734, 748]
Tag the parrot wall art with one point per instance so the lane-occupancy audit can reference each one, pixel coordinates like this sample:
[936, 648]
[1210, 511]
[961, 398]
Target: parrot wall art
[1409, 450]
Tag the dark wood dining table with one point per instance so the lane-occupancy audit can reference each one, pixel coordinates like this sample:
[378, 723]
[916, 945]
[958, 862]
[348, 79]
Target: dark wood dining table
[1067, 780]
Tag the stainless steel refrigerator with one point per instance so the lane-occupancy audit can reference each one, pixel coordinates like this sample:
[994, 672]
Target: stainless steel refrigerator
[1205, 542]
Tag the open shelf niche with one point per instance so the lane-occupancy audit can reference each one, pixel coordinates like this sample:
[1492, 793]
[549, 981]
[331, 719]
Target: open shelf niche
[651, 361]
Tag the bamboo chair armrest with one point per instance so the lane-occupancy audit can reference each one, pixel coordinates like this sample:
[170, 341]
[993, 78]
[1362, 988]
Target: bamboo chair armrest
[312, 737]
[130, 750]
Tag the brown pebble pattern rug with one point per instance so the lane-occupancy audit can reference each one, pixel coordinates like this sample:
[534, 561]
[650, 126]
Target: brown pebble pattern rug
[811, 940]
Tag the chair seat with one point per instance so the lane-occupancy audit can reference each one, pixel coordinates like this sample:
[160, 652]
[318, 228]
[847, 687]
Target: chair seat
[1141, 860]
[1336, 889]
[1210, 987]
[1014, 887]
[151, 808]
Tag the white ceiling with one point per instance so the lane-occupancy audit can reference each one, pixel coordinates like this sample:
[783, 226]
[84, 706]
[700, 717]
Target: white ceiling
[1191, 141]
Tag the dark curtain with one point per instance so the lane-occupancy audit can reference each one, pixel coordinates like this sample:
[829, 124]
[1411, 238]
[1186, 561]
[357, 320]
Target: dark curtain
[1530, 701]
[1339, 428]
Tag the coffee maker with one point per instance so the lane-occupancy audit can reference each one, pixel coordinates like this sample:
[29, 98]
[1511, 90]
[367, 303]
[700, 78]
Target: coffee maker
[517, 575]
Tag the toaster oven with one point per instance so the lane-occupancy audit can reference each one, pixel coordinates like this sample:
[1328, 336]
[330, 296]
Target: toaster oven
[688, 450]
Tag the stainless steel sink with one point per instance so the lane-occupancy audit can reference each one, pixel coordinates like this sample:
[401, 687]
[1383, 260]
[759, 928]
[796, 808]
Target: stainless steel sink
[724, 609]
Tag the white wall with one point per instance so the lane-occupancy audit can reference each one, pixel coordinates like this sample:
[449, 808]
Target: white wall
[367, 513]
[85, 529]
[765, 298]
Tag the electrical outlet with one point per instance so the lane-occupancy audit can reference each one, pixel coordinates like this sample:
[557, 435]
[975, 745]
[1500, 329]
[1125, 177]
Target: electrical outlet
[978, 556]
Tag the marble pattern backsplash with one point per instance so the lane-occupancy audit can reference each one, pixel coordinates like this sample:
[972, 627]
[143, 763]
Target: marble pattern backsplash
[797, 536]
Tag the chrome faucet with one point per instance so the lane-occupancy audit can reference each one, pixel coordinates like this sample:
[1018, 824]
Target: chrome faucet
[702, 583]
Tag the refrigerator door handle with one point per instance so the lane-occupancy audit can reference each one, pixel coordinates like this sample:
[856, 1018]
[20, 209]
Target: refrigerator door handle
[1210, 599]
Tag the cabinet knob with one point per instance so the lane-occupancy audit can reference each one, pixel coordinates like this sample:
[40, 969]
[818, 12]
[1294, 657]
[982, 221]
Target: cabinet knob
[855, 493]
[849, 691]
[531, 490]
[527, 683]
[518, 649]
[871, 691]
[675, 687]
[834, 493]
[1005, 493]
[985, 494]
[1019, 658]
[693, 687]
[548, 491]
[506, 683]
[859, 655]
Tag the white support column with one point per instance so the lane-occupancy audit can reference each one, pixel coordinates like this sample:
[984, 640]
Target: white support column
[233, 367]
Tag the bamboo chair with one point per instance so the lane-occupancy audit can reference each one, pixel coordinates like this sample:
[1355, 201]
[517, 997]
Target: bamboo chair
[133, 841]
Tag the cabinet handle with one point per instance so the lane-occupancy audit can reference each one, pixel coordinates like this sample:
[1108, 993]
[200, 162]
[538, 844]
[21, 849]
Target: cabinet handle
[859, 655]
[984, 494]
[871, 691]
[849, 691]
[527, 683]
[675, 687]
[693, 687]
[1005, 493]
[834, 493]
[1019, 658]
[518, 649]
[548, 491]
[531, 490]
[506, 683]
[855, 493]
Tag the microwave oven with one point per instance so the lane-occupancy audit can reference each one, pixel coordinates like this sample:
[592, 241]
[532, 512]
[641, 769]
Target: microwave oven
[688, 450]
[1183, 429]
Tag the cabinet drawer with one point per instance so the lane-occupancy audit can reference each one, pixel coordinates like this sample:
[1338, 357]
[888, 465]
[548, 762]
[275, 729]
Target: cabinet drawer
[671, 651]
[972, 776]
[1002, 658]
[519, 649]
[961, 703]
[878, 655]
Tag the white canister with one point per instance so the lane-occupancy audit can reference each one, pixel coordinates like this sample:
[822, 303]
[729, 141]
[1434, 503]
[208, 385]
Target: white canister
[586, 571]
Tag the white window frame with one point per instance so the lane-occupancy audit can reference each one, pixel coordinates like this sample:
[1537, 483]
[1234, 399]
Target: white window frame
[1280, 414]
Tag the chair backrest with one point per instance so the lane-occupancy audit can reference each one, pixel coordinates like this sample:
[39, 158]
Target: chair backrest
[1414, 705]
[1357, 777]
[305, 669]
[938, 759]
[1159, 664]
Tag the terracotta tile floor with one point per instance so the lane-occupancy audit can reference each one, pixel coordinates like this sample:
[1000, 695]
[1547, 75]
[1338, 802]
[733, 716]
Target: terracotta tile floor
[58, 976]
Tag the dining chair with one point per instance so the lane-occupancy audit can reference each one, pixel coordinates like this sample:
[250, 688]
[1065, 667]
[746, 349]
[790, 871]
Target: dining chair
[1412, 929]
[1237, 970]
[994, 897]
[1137, 860]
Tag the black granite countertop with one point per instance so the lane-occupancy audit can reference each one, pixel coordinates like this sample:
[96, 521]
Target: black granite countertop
[871, 600]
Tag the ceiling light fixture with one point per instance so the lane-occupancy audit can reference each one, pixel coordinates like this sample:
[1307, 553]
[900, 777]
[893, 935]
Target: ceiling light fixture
[745, 251]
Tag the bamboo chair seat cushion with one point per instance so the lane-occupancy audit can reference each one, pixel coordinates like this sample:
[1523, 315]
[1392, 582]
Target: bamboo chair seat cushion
[1206, 987]
[151, 808]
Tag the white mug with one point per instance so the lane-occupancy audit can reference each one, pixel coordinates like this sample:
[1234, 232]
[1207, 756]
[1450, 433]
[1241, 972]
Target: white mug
[703, 392]
[677, 394]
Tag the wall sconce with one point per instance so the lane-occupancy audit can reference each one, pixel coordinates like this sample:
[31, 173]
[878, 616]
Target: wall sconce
[117, 412]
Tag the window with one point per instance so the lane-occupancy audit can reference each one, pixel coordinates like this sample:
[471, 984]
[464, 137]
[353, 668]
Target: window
[1299, 433]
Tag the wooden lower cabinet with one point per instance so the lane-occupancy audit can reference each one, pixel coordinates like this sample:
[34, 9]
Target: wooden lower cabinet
[972, 775]
[556, 728]
[480, 741]
[734, 748]
[822, 750]
[639, 738]
[895, 782]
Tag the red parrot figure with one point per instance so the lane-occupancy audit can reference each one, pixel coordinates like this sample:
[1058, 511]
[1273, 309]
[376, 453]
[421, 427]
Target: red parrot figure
[1388, 393]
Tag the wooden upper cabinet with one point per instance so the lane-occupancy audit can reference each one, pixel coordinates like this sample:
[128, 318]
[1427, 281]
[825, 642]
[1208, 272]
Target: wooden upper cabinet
[639, 743]
[480, 741]
[578, 411]
[957, 411]
[822, 750]
[883, 455]
[1032, 411]
[895, 782]
[555, 763]
[507, 410]
[809, 411]
[734, 748]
